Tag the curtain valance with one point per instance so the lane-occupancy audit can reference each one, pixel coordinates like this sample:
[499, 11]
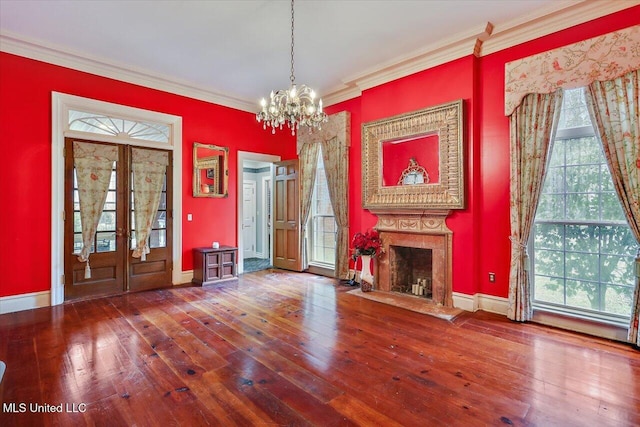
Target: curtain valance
[339, 125]
[598, 59]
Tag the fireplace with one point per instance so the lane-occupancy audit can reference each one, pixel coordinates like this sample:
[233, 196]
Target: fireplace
[411, 271]
[417, 258]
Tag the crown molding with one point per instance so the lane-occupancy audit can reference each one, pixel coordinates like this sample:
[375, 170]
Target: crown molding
[41, 51]
[449, 49]
[479, 41]
[561, 15]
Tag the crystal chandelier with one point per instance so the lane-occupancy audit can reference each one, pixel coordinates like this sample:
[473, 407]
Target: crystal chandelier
[294, 106]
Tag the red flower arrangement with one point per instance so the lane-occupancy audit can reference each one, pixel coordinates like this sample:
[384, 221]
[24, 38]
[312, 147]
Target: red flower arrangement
[368, 243]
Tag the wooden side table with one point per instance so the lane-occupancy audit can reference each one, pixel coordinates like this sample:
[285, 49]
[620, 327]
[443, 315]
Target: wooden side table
[212, 266]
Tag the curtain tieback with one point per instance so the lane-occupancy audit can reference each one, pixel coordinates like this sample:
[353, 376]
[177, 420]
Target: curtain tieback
[524, 249]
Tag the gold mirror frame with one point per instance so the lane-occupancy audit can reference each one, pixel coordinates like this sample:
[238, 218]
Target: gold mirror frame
[213, 167]
[446, 121]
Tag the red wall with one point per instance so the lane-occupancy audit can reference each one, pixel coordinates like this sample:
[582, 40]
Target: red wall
[25, 177]
[481, 231]
[493, 224]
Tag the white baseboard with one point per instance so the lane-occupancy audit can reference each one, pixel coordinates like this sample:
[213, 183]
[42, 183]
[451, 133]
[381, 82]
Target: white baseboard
[187, 277]
[29, 301]
[465, 302]
[493, 304]
[484, 302]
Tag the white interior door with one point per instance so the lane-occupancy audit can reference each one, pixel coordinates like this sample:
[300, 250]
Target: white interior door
[249, 219]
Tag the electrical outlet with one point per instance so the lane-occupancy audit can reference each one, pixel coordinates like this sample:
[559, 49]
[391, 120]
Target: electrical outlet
[492, 277]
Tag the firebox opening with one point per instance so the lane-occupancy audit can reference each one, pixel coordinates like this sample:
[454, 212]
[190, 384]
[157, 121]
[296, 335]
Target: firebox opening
[411, 271]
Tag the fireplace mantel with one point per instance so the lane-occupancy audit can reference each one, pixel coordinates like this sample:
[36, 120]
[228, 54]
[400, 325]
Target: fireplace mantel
[412, 221]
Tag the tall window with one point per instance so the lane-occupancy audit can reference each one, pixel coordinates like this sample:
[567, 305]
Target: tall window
[323, 224]
[583, 250]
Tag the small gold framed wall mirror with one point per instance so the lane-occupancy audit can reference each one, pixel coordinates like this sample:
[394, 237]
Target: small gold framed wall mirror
[430, 142]
[210, 170]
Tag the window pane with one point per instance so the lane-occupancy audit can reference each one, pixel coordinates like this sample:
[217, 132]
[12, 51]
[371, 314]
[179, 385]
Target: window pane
[611, 208]
[583, 206]
[106, 242]
[77, 223]
[107, 221]
[110, 203]
[549, 263]
[583, 179]
[549, 289]
[158, 239]
[583, 238]
[557, 153]
[549, 236]
[574, 110]
[77, 243]
[583, 294]
[554, 181]
[109, 125]
[618, 239]
[607, 184]
[583, 151]
[163, 201]
[618, 299]
[550, 207]
[617, 270]
[582, 266]
[160, 220]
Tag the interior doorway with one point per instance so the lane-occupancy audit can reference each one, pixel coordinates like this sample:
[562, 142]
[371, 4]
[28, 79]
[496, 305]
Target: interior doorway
[254, 206]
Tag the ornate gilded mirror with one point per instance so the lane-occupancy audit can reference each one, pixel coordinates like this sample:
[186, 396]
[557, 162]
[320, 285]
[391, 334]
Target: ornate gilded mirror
[210, 170]
[414, 160]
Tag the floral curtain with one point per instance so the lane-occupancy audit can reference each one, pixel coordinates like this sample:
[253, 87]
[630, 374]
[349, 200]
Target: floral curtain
[308, 158]
[149, 169]
[335, 138]
[336, 165]
[93, 164]
[614, 106]
[532, 126]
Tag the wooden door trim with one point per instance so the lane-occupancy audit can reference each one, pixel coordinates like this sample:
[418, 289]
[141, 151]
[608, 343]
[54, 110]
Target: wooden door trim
[60, 105]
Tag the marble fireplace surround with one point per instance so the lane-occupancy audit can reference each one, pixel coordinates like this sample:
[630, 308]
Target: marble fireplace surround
[423, 230]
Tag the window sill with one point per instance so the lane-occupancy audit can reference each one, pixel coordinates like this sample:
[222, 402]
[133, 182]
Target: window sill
[321, 270]
[577, 324]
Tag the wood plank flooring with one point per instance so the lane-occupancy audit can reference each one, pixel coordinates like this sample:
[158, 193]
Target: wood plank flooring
[288, 349]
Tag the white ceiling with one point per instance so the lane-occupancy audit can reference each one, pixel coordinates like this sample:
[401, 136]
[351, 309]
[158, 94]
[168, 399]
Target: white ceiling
[240, 49]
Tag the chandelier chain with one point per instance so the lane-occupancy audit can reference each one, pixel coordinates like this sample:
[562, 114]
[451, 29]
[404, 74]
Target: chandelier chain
[293, 77]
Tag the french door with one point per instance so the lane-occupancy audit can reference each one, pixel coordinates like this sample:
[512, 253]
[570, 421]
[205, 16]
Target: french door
[113, 269]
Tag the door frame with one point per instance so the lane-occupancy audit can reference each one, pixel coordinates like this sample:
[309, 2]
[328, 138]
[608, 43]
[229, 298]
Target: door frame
[255, 221]
[242, 156]
[266, 230]
[61, 103]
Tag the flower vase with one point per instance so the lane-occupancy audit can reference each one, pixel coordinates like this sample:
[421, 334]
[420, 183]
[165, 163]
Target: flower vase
[366, 277]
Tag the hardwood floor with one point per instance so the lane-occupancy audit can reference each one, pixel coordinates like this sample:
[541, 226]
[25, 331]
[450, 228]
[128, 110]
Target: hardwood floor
[281, 348]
